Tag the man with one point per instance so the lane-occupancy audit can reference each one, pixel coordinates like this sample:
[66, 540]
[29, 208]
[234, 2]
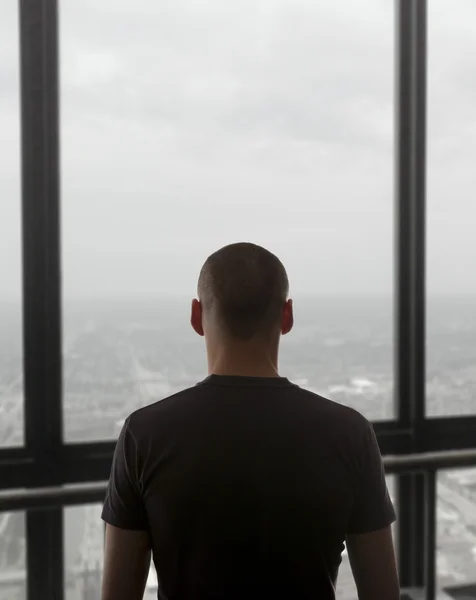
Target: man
[246, 486]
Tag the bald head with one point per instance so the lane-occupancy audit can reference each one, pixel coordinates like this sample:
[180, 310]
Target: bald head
[244, 287]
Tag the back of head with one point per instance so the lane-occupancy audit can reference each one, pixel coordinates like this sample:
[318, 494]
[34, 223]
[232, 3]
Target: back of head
[244, 287]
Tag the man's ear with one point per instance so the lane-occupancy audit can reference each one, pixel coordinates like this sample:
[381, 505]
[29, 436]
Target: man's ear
[287, 321]
[196, 317]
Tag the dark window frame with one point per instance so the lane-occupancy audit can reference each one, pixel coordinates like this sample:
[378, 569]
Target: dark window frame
[46, 460]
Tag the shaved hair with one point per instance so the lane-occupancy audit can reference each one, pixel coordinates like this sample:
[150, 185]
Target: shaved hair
[245, 286]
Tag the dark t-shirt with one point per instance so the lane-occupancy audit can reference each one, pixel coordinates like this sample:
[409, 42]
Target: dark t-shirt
[248, 487]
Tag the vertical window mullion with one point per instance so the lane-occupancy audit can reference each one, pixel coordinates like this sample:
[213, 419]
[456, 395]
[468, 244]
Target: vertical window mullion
[410, 371]
[40, 229]
[41, 285]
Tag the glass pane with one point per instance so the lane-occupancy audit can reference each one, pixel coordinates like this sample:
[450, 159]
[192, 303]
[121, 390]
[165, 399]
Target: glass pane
[186, 126]
[84, 555]
[83, 547]
[12, 556]
[456, 534]
[11, 376]
[451, 377]
[346, 589]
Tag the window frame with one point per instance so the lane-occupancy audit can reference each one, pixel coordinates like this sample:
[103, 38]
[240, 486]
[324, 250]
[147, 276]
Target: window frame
[46, 460]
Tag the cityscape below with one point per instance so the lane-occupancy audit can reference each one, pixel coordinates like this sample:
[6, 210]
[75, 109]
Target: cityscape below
[119, 356]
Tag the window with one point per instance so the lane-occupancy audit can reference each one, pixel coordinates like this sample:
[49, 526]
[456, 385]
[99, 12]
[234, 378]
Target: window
[11, 385]
[189, 126]
[83, 548]
[12, 556]
[456, 533]
[451, 378]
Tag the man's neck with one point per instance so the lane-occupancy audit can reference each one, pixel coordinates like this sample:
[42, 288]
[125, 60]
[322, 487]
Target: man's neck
[243, 370]
[245, 362]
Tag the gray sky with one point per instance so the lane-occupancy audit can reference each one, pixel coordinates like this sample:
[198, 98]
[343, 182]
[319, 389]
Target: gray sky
[189, 124]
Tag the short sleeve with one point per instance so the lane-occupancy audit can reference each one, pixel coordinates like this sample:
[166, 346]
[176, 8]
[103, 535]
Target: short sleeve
[123, 506]
[373, 508]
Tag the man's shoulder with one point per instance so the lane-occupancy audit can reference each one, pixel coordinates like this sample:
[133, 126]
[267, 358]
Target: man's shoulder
[185, 405]
[325, 407]
[163, 406]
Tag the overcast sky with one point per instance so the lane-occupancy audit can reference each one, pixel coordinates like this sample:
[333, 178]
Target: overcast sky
[189, 124]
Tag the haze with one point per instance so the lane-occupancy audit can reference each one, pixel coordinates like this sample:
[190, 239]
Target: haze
[187, 125]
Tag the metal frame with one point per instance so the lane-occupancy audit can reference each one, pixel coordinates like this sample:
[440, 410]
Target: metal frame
[42, 354]
[42, 498]
[45, 460]
[410, 370]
